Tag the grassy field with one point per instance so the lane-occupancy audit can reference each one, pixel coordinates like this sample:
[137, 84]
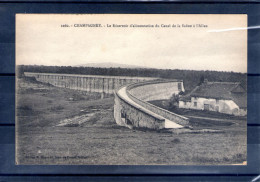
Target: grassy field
[62, 126]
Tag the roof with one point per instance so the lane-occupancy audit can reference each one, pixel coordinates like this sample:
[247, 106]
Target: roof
[187, 97]
[240, 99]
[220, 90]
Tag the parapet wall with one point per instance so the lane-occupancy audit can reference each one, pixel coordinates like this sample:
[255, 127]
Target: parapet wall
[151, 111]
[127, 114]
[156, 90]
[136, 92]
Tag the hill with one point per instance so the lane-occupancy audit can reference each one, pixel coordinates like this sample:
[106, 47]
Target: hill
[109, 65]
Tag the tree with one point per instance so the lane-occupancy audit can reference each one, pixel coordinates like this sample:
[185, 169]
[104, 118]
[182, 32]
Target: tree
[202, 78]
[174, 100]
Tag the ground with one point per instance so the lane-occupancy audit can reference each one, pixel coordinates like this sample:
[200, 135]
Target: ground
[62, 126]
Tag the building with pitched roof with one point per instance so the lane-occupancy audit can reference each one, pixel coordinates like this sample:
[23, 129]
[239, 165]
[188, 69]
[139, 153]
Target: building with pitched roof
[223, 97]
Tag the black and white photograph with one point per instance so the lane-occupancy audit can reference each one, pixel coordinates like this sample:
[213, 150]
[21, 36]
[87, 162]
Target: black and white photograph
[131, 89]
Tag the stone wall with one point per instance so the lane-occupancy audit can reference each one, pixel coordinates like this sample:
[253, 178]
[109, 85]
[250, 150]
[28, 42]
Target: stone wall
[131, 116]
[171, 85]
[89, 83]
[156, 90]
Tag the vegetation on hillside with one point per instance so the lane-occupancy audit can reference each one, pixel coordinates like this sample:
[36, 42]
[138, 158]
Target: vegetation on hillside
[191, 78]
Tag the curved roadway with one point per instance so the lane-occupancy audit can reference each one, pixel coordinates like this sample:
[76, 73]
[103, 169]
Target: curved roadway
[168, 123]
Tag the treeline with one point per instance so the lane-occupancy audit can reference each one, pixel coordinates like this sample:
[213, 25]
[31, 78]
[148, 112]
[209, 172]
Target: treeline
[191, 78]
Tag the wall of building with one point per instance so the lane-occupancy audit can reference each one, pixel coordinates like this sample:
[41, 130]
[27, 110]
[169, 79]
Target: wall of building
[184, 104]
[222, 106]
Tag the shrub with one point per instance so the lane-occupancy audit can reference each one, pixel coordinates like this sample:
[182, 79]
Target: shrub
[176, 140]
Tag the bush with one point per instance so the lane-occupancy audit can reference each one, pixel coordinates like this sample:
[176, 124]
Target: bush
[56, 108]
[176, 140]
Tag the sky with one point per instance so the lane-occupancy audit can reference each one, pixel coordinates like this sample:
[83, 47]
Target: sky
[217, 45]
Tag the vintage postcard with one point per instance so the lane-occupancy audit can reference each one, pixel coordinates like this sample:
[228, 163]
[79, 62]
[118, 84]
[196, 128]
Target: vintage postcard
[131, 89]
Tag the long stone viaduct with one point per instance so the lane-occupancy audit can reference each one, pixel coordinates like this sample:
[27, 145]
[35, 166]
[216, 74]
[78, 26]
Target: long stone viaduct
[131, 107]
[89, 83]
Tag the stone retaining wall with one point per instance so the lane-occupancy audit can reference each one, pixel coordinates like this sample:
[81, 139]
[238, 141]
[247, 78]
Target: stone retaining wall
[156, 90]
[89, 83]
[160, 111]
[131, 116]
